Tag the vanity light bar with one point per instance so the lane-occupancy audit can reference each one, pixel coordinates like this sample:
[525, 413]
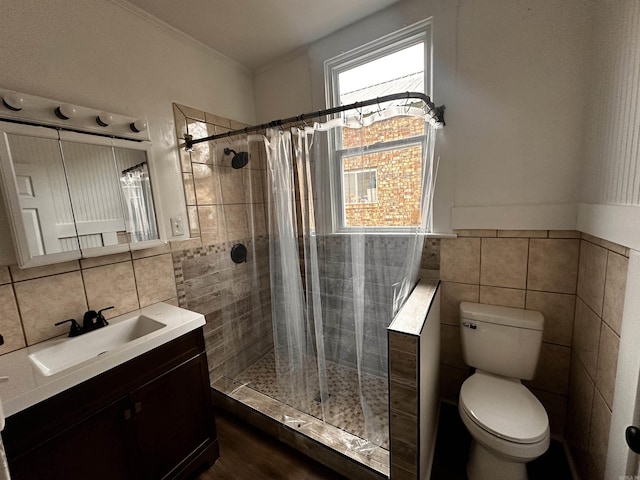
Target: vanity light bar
[20, 107]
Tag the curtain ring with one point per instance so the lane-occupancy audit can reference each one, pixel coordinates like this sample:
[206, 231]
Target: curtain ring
[407, 107]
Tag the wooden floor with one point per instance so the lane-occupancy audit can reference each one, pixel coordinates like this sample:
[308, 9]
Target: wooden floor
[247, 453]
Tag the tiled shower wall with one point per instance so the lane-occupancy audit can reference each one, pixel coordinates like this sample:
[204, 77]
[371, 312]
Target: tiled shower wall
[388, 254]
[226, 206]
[233, 299]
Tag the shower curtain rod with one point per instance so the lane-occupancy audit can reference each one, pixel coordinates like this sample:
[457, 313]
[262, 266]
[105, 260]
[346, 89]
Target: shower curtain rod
[434, 112]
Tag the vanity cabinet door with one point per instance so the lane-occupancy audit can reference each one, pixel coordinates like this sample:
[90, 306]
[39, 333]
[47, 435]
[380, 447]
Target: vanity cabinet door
[150, 418]
[174, 420]
[100, 447]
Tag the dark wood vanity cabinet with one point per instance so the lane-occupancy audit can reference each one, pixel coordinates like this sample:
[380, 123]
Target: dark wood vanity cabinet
[150, 418]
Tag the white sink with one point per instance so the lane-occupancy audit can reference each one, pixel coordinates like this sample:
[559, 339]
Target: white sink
[69, 352]
[45, 369]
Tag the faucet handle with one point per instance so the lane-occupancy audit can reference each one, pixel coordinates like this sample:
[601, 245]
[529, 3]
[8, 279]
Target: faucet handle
[88, 320]
[75, 329]
[100, 320]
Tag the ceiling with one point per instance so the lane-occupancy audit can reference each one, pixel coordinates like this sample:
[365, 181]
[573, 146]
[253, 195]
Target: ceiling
[256, 32]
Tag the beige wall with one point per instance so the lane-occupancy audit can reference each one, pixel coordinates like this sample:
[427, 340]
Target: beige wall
[32, 300]
[578, 282]
[596, 341]
[522, 269]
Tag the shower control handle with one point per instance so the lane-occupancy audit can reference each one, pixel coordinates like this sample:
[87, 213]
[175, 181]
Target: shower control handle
[632, 435]
[470, 325]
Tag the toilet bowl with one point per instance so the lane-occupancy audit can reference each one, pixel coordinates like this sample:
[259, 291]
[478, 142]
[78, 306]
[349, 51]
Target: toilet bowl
[508, 424]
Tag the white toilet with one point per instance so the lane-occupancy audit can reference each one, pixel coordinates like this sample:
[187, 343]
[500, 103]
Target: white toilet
[508, 424]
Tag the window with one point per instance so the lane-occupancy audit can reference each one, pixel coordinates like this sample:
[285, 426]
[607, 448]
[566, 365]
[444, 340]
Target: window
[377, 170]
[360, 186]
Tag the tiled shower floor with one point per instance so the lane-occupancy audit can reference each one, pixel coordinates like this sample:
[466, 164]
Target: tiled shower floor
[343, 407]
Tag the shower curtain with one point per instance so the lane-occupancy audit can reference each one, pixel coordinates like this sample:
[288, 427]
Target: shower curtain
[337, 282]
[140, 214]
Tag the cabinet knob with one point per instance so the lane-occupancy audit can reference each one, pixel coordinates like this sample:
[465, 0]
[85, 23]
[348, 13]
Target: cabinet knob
[137, 407]
[127, 414]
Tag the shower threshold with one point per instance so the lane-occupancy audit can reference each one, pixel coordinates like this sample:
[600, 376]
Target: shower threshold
[323, 442]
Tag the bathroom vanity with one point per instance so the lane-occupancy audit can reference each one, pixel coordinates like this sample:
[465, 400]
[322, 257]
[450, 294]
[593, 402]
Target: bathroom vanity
[149, 417]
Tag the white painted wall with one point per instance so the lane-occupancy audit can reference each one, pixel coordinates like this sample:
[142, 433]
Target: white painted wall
[611, 182]
[512, 77]
[283, 89]
[613, 141]
[611, 193]
[521, 68]
[101, 54]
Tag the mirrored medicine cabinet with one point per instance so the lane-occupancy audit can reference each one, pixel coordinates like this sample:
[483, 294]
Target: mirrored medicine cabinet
[74, 195]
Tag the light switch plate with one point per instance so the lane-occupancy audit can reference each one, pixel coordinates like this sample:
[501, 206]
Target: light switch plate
[177, 226]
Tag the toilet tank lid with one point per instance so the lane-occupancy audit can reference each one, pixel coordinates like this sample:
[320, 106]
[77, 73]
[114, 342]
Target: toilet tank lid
[513, 317]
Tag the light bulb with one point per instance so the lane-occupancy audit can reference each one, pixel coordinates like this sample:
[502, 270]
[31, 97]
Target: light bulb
[104, 119]
[138, 126]
[13, 101]
[66, 111]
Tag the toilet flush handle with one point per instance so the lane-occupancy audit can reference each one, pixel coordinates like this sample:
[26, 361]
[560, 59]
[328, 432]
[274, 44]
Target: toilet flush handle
[470, 325]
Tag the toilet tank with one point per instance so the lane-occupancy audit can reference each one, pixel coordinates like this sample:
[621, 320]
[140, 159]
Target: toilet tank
[501, 340]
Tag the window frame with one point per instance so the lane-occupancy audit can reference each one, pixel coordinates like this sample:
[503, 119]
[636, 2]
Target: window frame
[360, 171]
[420, 32]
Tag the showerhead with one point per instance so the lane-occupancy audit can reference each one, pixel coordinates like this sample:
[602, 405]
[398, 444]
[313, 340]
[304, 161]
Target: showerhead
[239, 160]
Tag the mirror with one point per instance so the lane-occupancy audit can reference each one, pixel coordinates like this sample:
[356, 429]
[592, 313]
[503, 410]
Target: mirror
[73, 195]
[135, 186]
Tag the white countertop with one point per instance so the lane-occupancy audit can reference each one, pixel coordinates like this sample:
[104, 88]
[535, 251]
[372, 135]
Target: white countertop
[28, 386]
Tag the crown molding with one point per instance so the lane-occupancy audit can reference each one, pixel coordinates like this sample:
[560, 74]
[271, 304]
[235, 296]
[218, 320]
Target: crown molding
[298, 52]
[180, 35]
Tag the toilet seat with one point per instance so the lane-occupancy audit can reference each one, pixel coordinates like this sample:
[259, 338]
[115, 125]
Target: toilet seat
[505, 408]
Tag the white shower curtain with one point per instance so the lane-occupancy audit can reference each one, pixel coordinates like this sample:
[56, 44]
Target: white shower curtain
[140, 214]
[335, 289]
